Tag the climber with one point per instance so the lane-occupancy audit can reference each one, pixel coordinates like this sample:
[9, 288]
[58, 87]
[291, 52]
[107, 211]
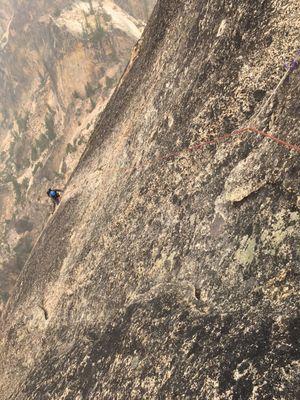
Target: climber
[55, 196]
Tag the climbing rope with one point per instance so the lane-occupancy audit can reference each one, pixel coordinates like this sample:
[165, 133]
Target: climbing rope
[199, 145]
[289, 146]
[291, 67]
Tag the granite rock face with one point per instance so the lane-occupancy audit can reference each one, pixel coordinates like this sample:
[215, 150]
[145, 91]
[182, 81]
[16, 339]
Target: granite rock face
[167, 273]
[59, 63]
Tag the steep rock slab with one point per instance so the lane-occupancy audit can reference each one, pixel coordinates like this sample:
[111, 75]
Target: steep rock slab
[59, 63]
[167, 273]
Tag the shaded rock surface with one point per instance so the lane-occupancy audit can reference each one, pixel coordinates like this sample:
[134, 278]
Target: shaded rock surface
[174, 277]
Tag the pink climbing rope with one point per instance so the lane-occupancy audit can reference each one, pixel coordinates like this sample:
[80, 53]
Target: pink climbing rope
[200, 145]
[289, 146]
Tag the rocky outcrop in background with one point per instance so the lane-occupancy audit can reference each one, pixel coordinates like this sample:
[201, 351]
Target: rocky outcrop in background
[59, 63]
[167, 273]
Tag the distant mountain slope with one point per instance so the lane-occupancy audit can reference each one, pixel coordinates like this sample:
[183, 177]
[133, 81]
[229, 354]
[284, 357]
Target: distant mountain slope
[171, 268]
[59, 63]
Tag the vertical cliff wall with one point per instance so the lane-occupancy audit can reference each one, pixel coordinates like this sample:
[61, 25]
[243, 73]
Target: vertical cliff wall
[59, 63]
[171, 268]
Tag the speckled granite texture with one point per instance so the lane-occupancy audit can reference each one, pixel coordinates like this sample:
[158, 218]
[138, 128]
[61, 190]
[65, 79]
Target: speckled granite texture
[175, 279]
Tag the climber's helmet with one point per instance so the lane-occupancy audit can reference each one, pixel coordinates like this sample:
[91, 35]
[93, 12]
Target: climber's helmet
[51, 193]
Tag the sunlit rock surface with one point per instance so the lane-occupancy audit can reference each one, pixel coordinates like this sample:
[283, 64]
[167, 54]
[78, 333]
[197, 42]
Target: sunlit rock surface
[59, 63]
[166, 273]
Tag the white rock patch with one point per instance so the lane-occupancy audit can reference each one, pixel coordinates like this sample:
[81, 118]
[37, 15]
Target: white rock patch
[122, 20]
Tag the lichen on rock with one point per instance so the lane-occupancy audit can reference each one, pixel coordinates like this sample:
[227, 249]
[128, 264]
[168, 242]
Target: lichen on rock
[168, 273]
